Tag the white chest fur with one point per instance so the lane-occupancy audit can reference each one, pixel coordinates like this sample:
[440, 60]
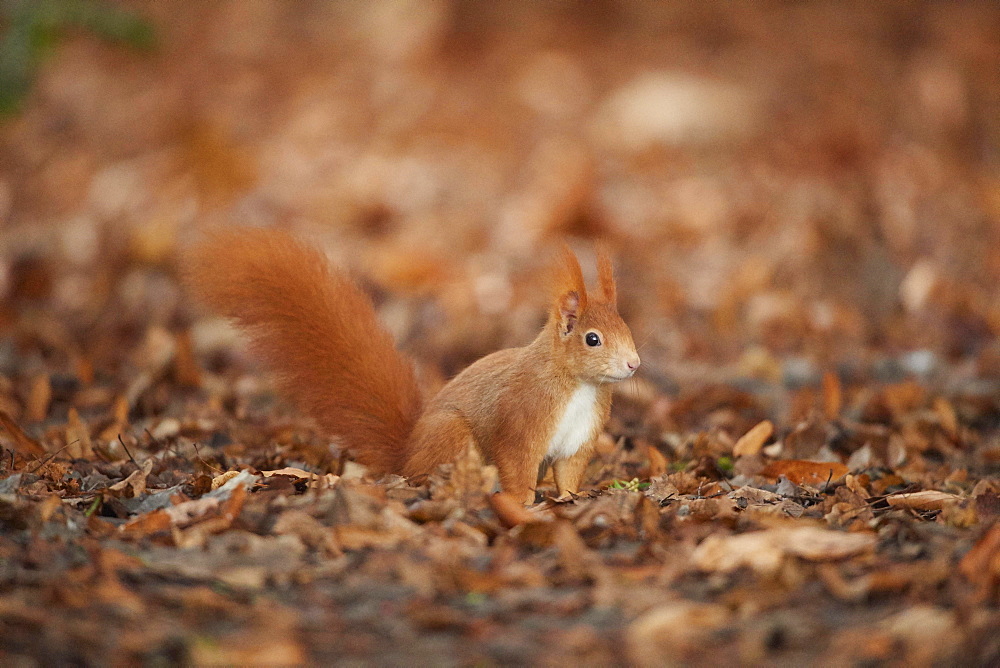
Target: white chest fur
[576, 424]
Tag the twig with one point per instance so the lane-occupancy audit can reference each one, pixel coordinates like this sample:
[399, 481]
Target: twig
[200, 459]
[127, 452]
[49, 458]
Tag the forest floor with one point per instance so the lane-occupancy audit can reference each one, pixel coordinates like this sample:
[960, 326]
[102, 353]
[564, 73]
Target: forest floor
[803, 200]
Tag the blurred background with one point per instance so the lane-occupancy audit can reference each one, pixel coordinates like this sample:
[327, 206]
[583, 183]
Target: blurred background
[789, 188]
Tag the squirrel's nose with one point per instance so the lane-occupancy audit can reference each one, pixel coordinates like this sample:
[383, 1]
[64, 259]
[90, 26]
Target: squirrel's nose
[633, 363]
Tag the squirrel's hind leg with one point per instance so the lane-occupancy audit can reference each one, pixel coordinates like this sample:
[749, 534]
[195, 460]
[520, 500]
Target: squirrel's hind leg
[439, 437]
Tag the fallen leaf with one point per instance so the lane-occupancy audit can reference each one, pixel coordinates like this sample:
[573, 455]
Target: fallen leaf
[832, 396]
[39, 398]
[751, 442]
[982, 563]
[764, 551]
[657, 462]
[188, 512]
[144, 525]
[802, 472]
[661, 488]
[946, 416]
[926, 500]
[670, 634]
[78, 443]
[22, 442]
[134, 485]
[309, 530]
[754, 495]
[382, 528]
[221, 479]
[314, 479]
[925, 632]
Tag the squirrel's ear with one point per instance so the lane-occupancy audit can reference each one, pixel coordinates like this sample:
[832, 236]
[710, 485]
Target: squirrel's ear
[570, 291]
[569, 278]
[606, 277]
[568, 312]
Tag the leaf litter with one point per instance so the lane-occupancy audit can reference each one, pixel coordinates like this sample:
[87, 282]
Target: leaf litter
[804, 472]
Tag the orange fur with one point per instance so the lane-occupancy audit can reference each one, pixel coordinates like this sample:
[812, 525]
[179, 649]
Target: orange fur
[606, 277]
[318, 332]
[568, 278]
[546, 402]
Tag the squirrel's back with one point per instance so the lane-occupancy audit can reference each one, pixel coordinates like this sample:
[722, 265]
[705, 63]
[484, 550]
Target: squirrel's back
[318, 332]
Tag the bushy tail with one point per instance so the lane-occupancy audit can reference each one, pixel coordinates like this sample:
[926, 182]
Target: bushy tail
[317, 332]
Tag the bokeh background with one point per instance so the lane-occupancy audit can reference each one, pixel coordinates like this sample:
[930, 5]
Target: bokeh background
[803, 200]
[788, 188]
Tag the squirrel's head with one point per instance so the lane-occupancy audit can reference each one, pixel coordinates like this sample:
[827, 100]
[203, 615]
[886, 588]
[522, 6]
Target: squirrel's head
[596, 342]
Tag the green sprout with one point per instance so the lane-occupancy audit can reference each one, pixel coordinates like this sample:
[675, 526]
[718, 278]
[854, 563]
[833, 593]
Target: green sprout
[94, 506]
[632, 485]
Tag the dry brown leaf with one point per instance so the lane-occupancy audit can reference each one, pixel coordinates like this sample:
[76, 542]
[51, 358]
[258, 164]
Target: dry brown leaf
[309, 530]
[764, 551]
[78, 443]
[924, 631]
[201, 522]
[832, 396]
[221, 479]
[48, 507]
[288, 470]
[754, 495]
[982, 563]
[661, 488]
[149, 523]
[314, 480]
[22, 443]
[670, 634]
[946, 416]
[119, 424]
[233, 505]
[354, 537]
[574, 557]
[273, 641]
[751, 442]
[39, 398]
[657, 462]
[188, 512]
[466, 479]
[929, 499]
[134, 485]
[802, 472]
[903, 397]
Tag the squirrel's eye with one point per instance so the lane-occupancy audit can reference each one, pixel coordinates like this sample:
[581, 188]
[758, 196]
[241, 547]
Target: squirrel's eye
[592, 339]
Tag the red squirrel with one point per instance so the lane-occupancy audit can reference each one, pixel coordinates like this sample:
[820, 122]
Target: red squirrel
[546, 402]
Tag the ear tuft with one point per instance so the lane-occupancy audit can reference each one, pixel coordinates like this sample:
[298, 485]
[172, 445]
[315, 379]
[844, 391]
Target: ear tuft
[568, 277]
[606, 277]
[569, 311]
